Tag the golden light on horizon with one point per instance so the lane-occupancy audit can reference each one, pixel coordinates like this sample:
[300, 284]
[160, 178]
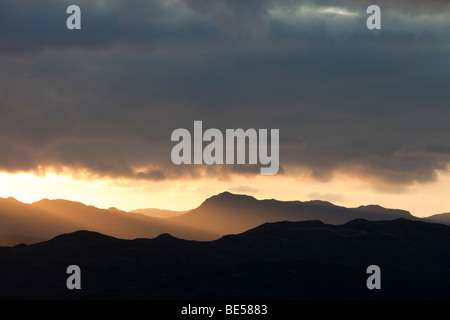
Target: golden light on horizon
[126, 194]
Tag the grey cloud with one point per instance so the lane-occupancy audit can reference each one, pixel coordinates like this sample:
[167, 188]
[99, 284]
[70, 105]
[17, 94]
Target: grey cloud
[418, 163]
[151, 175]
[157, 24]
[35, 26]
[14, 157]
[108, 98]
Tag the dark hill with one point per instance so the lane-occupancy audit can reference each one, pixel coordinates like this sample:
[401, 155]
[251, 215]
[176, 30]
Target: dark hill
[284, 260]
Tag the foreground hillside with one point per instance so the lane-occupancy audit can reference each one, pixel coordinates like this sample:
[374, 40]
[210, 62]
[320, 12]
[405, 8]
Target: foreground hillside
[284, 260]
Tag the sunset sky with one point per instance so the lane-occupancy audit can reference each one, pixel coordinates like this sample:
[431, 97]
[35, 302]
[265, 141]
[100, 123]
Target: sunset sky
[364, 115]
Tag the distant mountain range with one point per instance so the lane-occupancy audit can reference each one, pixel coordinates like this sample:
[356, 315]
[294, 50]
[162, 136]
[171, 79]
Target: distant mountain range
[223, 214]
[283, 260]
[439, 218]
[229, 213]
[49, 218]
[159, 213]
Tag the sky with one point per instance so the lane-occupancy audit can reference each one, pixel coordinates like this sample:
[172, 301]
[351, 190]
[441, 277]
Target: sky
[364, 115]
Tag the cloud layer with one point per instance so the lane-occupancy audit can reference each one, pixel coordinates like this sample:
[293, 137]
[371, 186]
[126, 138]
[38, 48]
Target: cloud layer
[106, 98]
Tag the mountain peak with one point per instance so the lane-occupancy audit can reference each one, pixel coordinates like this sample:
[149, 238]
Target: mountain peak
[228, 196]
[374, 208]
[228, 199]
[321, 203]
[166, 237]
[10, 200]
[45, 202]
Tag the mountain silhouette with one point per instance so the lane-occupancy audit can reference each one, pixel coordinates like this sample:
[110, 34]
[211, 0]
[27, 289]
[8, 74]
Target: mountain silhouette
[219, 215]
[443, 218]
[228, 213]
[283, 260]
[49, 218]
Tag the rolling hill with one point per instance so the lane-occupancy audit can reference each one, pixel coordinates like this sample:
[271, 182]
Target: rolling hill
[283, 260]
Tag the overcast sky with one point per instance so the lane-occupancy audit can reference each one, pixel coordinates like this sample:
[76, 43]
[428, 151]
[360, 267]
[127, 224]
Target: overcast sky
[373, 103]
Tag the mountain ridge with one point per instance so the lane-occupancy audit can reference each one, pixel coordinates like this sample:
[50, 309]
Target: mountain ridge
[280, 260]
[232, 213]
[221, 214]
[49, 218]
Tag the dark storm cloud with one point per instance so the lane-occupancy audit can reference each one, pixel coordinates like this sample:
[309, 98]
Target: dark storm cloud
[106, 98]
[37, 25]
